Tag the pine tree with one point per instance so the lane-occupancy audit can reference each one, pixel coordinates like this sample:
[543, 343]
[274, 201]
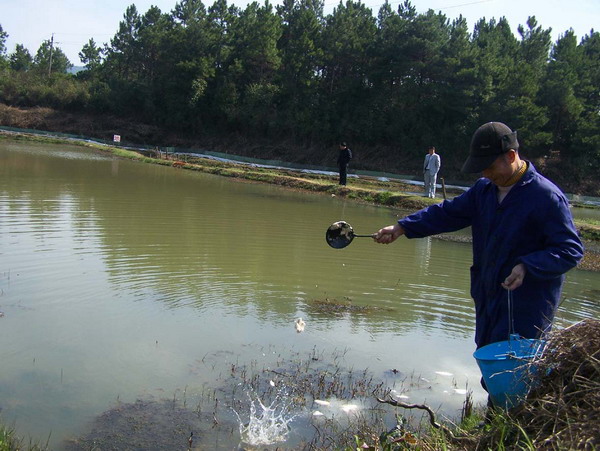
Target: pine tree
[50, 59]
[20, 60]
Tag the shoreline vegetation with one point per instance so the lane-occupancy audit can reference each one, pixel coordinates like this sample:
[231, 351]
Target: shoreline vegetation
[386, 193]
[518, 428]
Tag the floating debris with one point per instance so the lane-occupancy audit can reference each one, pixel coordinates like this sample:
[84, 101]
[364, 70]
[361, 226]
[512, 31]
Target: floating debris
[393, 373]
[454, 238]
[331, 305]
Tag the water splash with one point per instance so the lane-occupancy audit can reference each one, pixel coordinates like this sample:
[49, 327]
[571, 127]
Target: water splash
[267, 425]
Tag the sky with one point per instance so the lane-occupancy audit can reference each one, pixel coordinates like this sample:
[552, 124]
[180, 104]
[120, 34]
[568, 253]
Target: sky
[74, 22]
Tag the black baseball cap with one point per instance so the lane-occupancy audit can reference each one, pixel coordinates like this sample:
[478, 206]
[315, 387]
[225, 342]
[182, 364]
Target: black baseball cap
[489, 142]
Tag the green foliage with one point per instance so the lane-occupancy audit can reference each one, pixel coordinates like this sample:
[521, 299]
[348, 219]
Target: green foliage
[91, 55]
[254, 43]
[189, 12]
[3, 37]
[31, 89]
[20, 60]
[347, 40]
[395, 82]
[9, 441]
[50, 59]
[3, 59]
[589, 232]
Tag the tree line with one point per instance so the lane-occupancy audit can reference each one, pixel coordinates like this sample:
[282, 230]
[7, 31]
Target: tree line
[393, 82]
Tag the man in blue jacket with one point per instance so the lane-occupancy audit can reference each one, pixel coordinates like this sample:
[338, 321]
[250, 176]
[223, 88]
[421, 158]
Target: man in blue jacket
[524, 239]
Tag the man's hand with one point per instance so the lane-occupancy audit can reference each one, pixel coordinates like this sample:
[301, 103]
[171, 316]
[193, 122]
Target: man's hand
[515, 279]
[388, 234]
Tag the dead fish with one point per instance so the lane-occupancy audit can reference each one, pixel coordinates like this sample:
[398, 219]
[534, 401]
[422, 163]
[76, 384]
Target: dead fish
[300, 325]
[322, 403]
[444, 373]
[398, 395]
[349, 407]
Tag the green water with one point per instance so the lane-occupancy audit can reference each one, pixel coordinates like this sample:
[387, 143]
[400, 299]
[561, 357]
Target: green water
[121, 280]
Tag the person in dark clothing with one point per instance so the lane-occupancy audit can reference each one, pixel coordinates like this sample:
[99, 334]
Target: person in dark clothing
[524, 239]
[343, 159]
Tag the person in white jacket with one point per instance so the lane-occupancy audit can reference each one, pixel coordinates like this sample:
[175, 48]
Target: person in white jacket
[431, 167]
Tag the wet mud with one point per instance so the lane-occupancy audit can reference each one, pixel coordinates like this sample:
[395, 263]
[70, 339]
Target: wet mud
[142, 425]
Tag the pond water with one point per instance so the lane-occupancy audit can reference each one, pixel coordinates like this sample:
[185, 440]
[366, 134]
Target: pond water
[122, 281]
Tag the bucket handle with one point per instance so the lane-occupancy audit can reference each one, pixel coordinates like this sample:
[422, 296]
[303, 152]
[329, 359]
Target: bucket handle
[511, 322]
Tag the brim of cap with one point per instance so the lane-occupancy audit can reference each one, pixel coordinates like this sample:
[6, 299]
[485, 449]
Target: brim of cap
[478, 164]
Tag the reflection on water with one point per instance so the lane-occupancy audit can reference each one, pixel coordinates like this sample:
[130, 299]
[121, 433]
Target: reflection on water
[120, 280]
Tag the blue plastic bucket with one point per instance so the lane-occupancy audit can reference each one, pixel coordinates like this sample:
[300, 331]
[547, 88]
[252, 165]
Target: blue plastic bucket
[506, 370]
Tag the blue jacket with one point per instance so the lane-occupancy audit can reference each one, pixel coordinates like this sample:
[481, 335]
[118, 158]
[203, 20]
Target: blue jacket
[533, 225]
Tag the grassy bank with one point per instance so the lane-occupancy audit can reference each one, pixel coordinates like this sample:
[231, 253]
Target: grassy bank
[9, 441]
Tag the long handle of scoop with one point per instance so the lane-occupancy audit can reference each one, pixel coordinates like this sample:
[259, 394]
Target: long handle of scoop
[364, 236]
